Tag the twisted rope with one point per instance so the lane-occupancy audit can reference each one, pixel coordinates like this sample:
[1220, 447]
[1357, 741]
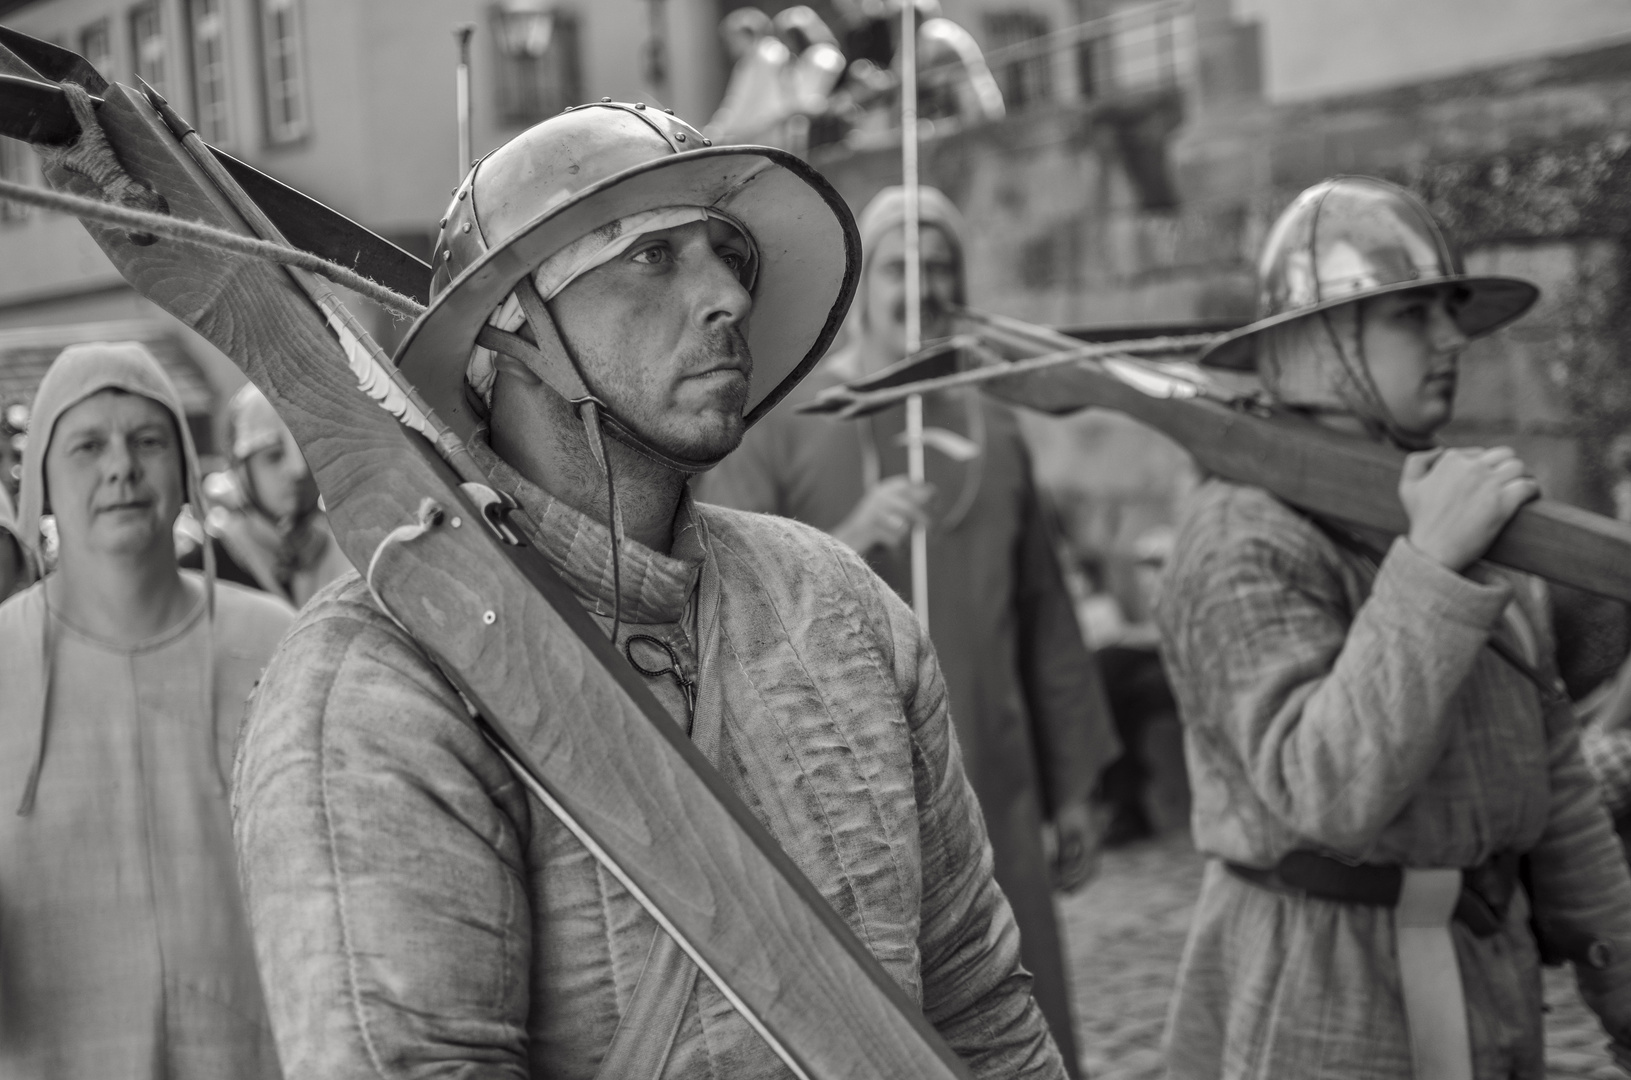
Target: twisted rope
[91, 156]
[199, 234]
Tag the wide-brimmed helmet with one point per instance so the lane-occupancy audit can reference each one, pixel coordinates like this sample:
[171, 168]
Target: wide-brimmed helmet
[599, 163]
[1354, 237]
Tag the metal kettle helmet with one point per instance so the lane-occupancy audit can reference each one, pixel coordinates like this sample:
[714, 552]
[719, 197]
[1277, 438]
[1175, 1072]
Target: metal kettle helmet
[1353, 237]
[593, 165]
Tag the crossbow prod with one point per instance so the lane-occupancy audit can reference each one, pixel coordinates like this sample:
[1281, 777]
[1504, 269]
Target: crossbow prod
[1223, 420]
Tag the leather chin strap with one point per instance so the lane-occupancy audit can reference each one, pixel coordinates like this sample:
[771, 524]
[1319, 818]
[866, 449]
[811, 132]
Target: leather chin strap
[1380, 423]
[552, 361]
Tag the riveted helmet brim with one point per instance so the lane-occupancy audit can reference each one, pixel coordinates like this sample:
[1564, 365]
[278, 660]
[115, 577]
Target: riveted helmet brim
[808, 250]
[1352, 238]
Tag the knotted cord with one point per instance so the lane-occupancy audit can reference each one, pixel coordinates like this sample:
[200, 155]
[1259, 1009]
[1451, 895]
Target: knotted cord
[687, 685]
[428, 517]
[91, 156]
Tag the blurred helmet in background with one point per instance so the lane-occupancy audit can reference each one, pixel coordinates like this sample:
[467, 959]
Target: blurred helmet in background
[1354, 237]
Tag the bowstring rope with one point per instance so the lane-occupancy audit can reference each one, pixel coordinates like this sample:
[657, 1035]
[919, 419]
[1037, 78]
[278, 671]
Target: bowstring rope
[200, 234]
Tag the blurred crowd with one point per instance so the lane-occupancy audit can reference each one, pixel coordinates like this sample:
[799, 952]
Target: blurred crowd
[799, 84]
[260, 515]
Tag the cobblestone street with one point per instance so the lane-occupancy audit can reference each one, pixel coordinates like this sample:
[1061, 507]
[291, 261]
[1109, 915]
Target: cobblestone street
[1126, 932]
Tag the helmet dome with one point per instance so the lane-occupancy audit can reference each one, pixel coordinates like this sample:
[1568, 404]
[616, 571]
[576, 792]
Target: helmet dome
[595, 164]
[1354, 237]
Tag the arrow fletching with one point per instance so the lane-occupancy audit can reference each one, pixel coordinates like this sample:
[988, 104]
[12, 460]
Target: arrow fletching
[374, 377]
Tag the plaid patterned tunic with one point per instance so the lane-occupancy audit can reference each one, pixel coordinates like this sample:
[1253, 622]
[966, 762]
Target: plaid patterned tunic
[1334, 704]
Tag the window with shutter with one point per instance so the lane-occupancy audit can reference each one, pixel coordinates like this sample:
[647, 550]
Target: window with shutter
[148, 59]
[1025, 75]
[283, 72]
[16, 165]
[538, 66]
[96, 46]
[211, 112]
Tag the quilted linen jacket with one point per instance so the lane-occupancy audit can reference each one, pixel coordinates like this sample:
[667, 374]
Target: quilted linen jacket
[1353, 706]
[415, 915]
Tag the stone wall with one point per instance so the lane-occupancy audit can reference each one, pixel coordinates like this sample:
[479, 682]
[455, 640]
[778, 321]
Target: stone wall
[1528, 166]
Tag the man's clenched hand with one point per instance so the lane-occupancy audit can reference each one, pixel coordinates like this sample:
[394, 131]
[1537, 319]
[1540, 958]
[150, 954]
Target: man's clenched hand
[1458, 500]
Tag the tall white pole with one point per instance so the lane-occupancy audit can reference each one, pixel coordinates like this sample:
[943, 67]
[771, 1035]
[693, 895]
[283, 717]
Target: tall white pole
[657, 51]
[914, 294]
[461, 98]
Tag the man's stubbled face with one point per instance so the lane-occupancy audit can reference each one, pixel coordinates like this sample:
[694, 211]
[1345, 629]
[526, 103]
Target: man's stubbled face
[114, 475]
[885, 288]
[1412, 345]
[659, 333]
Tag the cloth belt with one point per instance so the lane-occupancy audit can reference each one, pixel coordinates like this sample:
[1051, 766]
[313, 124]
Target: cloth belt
[1424, 901]
[1481, 905]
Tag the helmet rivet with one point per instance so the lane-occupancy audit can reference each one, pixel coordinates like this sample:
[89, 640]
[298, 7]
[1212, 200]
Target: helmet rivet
[442, 224]
[447, 254]
[466, 227]
[670, 112]
[679, 136]
[606, 100]
[639, 104]
[707, 142]
[462, 194]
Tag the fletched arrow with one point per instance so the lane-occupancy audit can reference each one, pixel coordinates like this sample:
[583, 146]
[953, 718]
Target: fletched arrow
[375, 375]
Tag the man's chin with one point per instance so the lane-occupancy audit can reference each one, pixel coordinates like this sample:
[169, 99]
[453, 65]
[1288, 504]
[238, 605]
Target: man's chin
[714, 441]
[706, 437]
[125, 538]
[1427, 421]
